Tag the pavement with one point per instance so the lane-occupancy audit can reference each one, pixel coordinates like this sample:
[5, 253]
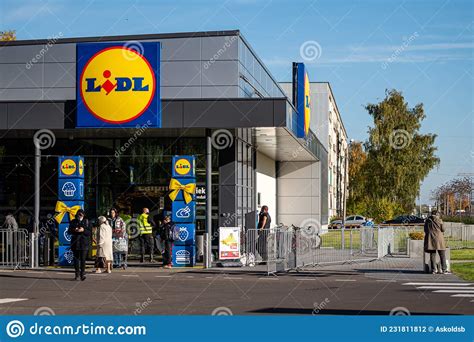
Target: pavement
[381, 287]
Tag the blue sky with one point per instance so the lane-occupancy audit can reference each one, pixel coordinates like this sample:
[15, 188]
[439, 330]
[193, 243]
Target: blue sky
[423, 48]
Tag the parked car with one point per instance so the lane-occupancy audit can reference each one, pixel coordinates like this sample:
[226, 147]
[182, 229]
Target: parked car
[355, 221]
[335, 224]
[406, 219]
[350, 221]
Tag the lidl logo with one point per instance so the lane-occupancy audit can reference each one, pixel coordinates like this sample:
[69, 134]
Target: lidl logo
[118, 85]
[307, 103]
[182, 167]
[81, 167]
[68, 167]
[302, 90]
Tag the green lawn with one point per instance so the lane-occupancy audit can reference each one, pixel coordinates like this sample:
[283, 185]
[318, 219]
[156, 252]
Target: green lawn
[333, 239]
[464, 270]
[462, 254]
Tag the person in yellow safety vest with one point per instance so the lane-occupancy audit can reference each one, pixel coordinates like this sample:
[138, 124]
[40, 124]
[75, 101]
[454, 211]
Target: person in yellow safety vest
[146, 234]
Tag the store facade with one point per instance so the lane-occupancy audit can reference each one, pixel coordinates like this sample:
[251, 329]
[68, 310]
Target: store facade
[211, 87]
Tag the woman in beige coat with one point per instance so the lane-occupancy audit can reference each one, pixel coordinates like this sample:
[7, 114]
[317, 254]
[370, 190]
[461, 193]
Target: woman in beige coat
[434, 242]
[104, 245]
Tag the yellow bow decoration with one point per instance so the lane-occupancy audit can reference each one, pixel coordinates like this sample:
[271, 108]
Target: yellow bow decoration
[188, 190]
[62, 209]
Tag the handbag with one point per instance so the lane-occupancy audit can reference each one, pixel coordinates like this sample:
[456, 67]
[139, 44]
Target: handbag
[120, 245]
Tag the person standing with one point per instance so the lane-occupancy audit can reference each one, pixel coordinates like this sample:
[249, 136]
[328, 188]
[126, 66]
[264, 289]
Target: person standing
[80, 232]
[119, 238]
[10, 222]
[167, 232]
[264, 221]
[146, 234]
[434, 241]
[104, 245]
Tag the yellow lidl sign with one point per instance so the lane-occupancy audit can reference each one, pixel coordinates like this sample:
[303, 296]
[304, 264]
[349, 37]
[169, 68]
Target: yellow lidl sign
[307, 103]
[68, 167]
[118, 85]
[182, 167]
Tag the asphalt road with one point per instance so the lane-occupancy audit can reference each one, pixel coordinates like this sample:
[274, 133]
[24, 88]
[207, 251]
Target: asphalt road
[363, 289]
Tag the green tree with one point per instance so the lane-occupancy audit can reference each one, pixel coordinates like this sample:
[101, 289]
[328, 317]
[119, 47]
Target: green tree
[399, 157]
[356, 202]
[7, 35]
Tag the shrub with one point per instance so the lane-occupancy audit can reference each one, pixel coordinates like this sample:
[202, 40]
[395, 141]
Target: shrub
[463, 219]
[416, 235]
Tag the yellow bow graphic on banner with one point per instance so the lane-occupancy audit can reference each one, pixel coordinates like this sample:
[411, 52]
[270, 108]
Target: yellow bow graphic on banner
[188, 190]
[62, 209]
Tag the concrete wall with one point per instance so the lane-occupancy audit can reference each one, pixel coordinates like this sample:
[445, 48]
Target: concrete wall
[186, 70]
[191, 67]
[267, 184]
[298, 193]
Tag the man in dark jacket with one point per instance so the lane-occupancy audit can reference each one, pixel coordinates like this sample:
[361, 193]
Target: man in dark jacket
[80, 232]
[434, 241]
[264, 221]
[167, 235]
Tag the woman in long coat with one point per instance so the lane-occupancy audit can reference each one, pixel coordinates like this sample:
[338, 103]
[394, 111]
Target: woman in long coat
[434, 242]
[104, 245]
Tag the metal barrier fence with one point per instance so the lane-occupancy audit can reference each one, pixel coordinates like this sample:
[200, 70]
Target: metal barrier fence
[285, 248]
[456, 236]
[14, 248]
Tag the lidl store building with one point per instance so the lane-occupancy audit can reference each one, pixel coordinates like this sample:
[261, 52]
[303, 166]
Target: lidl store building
[127, 104]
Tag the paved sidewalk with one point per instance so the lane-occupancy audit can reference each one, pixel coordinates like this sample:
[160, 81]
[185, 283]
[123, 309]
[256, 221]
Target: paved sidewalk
[352, 289]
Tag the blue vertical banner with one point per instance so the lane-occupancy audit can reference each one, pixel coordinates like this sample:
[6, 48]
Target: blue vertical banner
[70, 199]
[183, 209]
[302, 99]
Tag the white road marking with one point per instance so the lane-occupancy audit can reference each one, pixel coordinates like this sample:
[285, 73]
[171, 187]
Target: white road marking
[129, 275]
[6, 271]
[36, 272]
[163, 276]
[231, 278]
[438, 284]
[268, 278]
[68, 273]
[209, 277]
[11, 300]
[387, 280]
[464, 295]
[444, 288]
[455, 291]
[345, 280]
[305, 278]
[189, 276]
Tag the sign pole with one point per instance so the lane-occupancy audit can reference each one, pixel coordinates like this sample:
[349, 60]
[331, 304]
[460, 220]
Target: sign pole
[34, 241]
[208, 240]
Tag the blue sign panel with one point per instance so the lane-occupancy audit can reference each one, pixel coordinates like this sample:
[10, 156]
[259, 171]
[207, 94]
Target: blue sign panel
[71, 189]
[184, 256]
[182, 212]
[118, 84]
[185, 234]
[302, 99]
[71, 167]
[66, 257]
[64, 236]
[184, 166]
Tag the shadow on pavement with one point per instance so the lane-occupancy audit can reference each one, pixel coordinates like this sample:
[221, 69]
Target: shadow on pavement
[299, 311]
